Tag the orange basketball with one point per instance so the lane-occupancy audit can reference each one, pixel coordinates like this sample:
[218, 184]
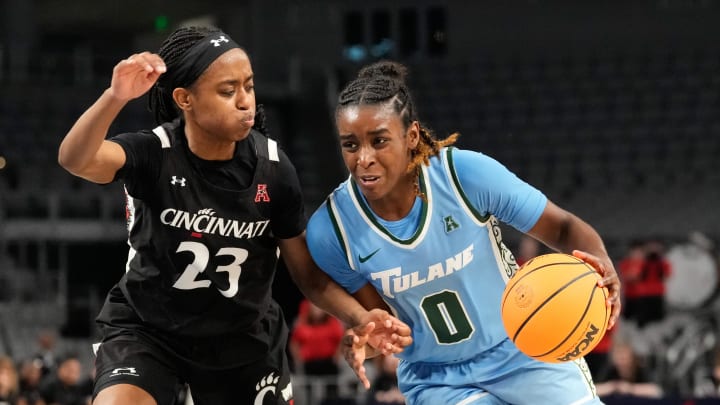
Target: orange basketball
[553, 309]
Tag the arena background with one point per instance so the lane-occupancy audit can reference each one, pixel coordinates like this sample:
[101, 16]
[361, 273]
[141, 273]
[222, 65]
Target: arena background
[611, 108]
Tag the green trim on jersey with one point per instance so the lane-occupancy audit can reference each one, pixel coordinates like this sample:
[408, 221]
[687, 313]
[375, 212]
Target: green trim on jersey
[456, 182]
[339, 232]
[371, 216]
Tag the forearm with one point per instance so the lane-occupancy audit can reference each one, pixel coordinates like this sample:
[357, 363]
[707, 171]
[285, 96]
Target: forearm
[319, 288]
[577, 234]
[84, 139]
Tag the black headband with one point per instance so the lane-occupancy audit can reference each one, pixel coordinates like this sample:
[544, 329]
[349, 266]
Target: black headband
[196, 59]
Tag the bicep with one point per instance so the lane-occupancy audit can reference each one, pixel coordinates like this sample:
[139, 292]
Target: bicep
[553, 226]
[109, 158]
[295, 254]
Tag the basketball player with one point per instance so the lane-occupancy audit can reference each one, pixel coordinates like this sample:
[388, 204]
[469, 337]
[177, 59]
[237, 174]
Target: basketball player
[210, 199]
[416, 227]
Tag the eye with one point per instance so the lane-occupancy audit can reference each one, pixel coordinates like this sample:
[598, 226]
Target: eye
[250, 87]
[349, 145]
[227, 92]
[379, 141]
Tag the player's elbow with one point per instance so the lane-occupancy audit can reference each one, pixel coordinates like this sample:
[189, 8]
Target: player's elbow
[68, 162]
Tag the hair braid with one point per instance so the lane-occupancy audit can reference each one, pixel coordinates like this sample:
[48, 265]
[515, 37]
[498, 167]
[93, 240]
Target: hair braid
[384, 82]
[160, 100]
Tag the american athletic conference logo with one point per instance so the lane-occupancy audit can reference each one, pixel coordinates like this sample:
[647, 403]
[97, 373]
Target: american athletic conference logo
[262, 193]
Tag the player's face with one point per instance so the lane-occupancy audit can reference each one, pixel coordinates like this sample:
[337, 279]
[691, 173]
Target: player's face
[223, 98]
[376, 148]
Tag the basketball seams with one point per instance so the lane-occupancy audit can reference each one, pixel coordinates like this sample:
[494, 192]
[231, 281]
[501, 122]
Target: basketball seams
[550, 297]
[520, 275]
[545, 313]
[580, 320]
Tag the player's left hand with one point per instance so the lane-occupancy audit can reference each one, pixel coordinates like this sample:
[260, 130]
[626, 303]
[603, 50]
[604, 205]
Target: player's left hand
[354, 347]
[389, 335]
[604, 266]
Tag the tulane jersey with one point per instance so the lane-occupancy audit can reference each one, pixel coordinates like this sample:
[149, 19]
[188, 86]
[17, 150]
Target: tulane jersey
[444, 267]
[203, 253]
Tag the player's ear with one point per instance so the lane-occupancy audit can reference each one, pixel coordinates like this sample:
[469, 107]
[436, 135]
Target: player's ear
[182, 98]
[413, 134]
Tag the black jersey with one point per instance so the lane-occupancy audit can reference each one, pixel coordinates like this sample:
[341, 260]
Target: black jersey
[202, 255]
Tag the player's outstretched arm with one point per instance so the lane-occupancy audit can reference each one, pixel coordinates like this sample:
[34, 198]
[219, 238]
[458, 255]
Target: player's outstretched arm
[390, 335]
[565, 232]
[84, 151]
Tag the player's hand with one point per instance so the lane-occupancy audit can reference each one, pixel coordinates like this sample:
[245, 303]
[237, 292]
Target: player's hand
[610, 279]
[134, 76]
[353, 347]
[389, 335]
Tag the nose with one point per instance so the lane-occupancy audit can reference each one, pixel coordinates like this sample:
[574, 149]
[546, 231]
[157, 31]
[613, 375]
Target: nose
[244, 100]
[366, 156]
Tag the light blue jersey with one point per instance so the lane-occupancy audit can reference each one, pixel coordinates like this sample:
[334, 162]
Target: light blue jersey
[442, 269]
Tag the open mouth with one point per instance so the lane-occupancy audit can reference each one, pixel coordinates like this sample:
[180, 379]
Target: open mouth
[368, 180]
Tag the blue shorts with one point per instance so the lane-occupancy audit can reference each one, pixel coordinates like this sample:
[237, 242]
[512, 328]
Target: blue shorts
[501, 375]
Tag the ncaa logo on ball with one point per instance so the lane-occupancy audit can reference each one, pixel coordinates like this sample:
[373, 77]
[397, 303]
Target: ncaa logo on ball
[590, 336]
[523, 295]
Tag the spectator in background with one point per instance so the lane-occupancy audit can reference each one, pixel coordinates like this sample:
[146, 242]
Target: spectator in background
[315, 340]
[46, 351]
[314, 343]
[385, 390]
[9, 386]
[626, 374]
[599, 358]
[66, 386]
[30, 377]
[644, 271]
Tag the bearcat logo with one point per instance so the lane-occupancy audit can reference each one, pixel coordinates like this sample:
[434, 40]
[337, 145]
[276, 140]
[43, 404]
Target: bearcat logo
[590, 336]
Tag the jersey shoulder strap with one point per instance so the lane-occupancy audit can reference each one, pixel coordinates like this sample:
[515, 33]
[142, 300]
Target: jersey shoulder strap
[265, 147]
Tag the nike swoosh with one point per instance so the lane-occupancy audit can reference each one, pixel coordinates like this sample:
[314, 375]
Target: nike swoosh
[366, 258]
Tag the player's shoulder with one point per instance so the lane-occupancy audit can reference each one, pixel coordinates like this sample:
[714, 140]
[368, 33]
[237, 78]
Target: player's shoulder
[466, 156]
[339, 196]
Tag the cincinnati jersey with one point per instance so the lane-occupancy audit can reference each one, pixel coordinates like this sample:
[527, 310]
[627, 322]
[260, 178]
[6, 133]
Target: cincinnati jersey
[444, 267]
[202, 257]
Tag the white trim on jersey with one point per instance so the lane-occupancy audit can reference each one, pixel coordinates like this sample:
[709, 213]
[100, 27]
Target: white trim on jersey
[273, 150]
[162, 134]
[341, 229]
[456, 190]
[472, 398]
[131, 223]
[495, 238]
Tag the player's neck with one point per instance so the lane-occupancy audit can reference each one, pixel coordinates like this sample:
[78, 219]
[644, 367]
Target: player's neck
[207, 147]
[395, 205]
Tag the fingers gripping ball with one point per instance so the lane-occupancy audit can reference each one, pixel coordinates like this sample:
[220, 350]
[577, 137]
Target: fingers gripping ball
[553, 309]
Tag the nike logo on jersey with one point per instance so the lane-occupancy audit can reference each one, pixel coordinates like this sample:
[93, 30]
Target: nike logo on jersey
[366, 258]
[394, 281]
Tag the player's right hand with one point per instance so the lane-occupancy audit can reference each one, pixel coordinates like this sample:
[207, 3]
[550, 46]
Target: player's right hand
[134, 76]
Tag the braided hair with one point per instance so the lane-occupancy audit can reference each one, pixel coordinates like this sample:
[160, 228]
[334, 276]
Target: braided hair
[160, 99]
[384, 83]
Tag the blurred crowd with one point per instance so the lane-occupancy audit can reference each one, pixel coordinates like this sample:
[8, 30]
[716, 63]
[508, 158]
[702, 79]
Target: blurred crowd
[666, 345]
[46, 378]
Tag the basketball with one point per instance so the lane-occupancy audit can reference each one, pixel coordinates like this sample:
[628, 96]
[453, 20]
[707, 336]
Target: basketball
[553, 309]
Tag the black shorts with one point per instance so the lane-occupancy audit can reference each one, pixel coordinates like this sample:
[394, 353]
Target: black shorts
[137, 360]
